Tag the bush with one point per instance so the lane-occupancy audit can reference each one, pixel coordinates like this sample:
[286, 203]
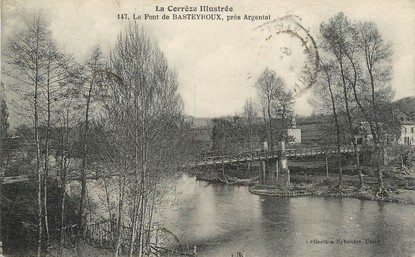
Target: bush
[20, 218]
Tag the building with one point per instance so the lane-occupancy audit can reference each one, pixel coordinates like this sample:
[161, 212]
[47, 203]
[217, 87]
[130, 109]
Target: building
[407, 134]
[294, 133]
[362, 133]
[407, 128]
[400, 131]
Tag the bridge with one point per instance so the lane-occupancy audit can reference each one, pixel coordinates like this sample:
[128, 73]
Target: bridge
[253, 156]
[273, 164]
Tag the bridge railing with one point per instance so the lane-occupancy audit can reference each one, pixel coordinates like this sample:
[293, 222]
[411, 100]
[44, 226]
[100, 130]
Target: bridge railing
[293, 151]
[214, 158]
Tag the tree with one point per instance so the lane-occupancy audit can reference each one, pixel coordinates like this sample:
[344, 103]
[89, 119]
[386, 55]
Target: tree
[276, 104]
[250, 115]
[377, 59]
[339, 42]
[26, 62]
[335, 42]
[222, 127]
[56, 75]
[38, 71]
[145, 111]
[284, 112]
[325, 92]
[66, 120]
[355, 49]
[4, 114]
[90, 79]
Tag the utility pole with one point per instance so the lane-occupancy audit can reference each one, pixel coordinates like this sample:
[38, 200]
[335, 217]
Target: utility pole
[194, 101]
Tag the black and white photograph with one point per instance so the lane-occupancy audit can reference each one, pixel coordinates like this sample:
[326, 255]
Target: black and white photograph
[250, 128]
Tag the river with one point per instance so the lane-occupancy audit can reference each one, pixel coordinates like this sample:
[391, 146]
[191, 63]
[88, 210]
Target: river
[222, 220]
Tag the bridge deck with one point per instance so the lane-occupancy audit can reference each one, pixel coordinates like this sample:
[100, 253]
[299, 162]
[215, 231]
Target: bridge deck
[258, 156]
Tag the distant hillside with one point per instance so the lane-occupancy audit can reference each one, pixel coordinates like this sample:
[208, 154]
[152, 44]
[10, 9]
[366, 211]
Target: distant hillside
[312, 119]
[406, 105]
[200, 122]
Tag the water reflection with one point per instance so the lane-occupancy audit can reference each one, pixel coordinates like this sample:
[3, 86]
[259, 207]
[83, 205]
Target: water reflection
[222, 220]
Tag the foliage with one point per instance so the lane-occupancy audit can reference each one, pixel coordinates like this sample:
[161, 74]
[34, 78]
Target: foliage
[277, 105]
[355, 81]
[4, 114]
[19, 216]
[122, 118]
[143, 114]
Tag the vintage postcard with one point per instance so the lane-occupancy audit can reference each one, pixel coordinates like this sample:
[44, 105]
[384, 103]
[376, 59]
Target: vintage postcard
[207, 128]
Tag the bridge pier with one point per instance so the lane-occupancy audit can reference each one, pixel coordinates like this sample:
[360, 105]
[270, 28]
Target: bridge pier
[269, 173]
[274, 171]
[283, 180]
[284, 173]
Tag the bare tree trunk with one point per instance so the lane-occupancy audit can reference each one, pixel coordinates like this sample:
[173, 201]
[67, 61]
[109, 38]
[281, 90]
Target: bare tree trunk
[379, 151]
[39, 180]
[63, 172]
[283, 124]
[144, 148]
[142, 224]
[120, 215]
[136, 211]
[138, 194]
[354, 83]
[138, 166]
[328, 77]
[346, 101]
[46, 173]
[107, 197]
[250, 114]
[63, 179]
[375, 118]
[250, 138]
[83, 171]
[85, 153]
[270, 143]
[336, 121]
[150, 220]
[38, 166]
[63, 197]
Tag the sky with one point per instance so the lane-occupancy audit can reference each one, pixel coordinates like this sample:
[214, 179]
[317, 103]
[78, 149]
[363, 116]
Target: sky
[218, 62]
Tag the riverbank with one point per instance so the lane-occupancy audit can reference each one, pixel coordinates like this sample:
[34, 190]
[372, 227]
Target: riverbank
[402, 196]
[399, 186]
